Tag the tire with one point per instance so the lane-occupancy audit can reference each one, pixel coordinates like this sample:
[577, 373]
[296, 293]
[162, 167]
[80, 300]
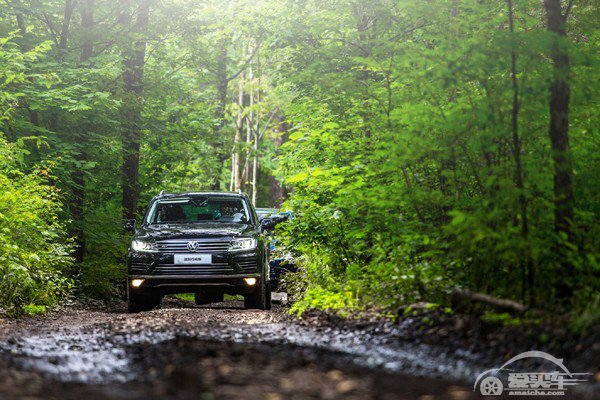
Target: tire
[260, 300]
[137, 302]
[268, 299]
[201, 298]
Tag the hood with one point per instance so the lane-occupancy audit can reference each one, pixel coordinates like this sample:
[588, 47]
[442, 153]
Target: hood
[197, 230]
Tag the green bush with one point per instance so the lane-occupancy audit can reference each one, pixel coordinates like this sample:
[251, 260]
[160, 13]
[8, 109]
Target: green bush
[34, 247]
[103, 273]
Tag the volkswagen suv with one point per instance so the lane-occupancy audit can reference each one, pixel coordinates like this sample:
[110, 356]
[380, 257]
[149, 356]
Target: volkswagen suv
[206, 243]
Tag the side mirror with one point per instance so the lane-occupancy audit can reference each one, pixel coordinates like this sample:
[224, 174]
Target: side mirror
[267, 223]
[129, 225]
[266, 226]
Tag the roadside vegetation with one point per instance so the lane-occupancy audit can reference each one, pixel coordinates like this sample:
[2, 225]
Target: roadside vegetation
[423, 147]
[35, 251]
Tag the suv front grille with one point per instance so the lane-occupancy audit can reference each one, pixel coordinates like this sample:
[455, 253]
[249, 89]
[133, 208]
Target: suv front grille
[140, 267]
[248, 265]
[203, 245]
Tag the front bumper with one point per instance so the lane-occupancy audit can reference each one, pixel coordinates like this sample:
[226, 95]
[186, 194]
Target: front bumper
[225, 273]
[166, 284]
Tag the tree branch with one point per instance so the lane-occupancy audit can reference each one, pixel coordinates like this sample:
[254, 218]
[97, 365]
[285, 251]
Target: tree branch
[503, 304]
[260, 135]
[50, 26]
[232, 77]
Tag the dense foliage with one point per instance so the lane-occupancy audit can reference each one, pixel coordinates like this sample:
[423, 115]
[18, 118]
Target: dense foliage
[34, 248]
[423, 146]
[419, 164]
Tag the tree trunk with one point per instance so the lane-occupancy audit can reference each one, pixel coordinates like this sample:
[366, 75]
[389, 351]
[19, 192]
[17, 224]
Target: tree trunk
[222, 84]
[526, 261]
[64, 32]
[62, 47]
[256, 128]
[131, 110]
[559, 122]
[87, 22]
[34, 117]
[276, 190]
[249, 121]
[255, 171]
[239, 129]
[78, 176]
[20, 19]
[363, 22]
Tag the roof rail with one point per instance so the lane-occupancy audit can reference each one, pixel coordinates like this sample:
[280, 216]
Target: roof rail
[162, 192]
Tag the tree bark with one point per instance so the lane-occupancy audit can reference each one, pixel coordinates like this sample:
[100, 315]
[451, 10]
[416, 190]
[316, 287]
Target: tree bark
[239, 129]
[87, 22]
[64, 32]
[131, 111]
[255, 170]
[559, 122]
[78, 176]
[62, 47]
[249, 120]
[19, 17]
[221, 85]
[527, 271]
[256, 128]
[276, 190]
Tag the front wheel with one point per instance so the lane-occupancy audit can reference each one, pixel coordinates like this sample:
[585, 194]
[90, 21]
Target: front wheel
[138, 302]
[261, 299]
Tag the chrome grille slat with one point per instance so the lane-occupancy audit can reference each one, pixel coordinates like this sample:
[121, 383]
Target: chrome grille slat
[204, 245]
[140, 266]
[248, 266]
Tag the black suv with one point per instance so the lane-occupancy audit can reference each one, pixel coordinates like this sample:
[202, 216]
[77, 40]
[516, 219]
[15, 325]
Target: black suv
[206, 243]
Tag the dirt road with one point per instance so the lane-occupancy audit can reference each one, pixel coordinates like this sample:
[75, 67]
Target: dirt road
[183, 351]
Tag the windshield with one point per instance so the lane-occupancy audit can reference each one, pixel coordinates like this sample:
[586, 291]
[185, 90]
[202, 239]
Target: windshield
[199, 209]
[262, 213]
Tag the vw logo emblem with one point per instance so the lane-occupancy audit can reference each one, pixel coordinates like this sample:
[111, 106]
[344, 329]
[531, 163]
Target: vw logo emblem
[193, 246]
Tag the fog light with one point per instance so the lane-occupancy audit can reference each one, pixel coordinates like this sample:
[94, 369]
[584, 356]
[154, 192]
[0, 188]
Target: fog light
[250, 281]
[137, 282]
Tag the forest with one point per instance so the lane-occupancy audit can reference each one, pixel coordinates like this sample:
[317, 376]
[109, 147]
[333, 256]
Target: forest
[423, 146]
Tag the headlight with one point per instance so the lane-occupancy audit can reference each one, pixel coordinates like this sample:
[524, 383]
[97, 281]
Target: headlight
[138, 245]
[242, 244]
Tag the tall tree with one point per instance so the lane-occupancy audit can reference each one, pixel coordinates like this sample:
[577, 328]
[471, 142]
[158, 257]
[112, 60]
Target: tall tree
[64, 32]
[560, 92]
[236, 160]
[78, 176]
[526, 263]
[131, 111]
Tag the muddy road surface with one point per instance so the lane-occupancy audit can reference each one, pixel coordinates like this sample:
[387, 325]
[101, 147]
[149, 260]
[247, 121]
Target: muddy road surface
[221, 351]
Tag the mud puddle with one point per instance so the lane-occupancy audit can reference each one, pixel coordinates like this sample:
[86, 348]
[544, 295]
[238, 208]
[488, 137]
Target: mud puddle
[98, 355]
[182, 352]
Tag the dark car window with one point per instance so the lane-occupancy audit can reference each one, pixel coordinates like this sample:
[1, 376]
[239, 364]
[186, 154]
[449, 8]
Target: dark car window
[263, 213]
[199, 209]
